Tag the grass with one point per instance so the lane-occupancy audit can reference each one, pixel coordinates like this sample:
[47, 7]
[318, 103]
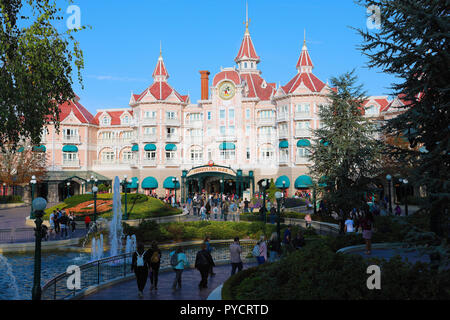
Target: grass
[151, 208]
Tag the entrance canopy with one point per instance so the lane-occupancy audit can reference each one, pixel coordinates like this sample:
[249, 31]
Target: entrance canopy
[303, 182]
[280, 180]
[149, 183]
[169, 184]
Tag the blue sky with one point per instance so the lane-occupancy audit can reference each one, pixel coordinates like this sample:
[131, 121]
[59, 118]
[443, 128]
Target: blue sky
[122, 48]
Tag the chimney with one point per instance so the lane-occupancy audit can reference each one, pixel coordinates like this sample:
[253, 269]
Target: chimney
[205, 84]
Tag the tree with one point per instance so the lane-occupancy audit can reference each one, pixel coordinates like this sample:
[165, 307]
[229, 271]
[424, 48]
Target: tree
[17, 166]
[345, 153]
[412, 44]
[35, 68]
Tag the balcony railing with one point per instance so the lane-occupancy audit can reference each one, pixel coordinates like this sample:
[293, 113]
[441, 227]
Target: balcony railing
[226, 138]
[299, 115]
[194, 139]
[172, 122]
[71, 139]
[282, 117]
[266, 138]
[265, 121]
[283, 160]
[172, 138]
[149, 138]
[149, 121]
[302, 160]
[302, 133]
[71, 163]
[283, 135]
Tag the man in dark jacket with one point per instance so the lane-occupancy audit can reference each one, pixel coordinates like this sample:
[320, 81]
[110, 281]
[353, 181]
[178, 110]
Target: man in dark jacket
[203, 262]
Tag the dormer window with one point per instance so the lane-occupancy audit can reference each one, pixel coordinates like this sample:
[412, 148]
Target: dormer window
[125, 120]
[106, 121]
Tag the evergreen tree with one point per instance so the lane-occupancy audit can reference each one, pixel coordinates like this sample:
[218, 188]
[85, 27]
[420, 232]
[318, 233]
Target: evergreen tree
[345, 153]
[413, 45]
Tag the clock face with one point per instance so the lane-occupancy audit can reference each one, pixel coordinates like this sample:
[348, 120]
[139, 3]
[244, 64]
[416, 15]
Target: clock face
[227, 90]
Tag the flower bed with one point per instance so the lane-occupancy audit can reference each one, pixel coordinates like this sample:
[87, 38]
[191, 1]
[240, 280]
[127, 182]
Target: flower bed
[87, 207]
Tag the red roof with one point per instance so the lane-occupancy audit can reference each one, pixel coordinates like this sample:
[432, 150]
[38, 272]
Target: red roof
[308, 79]
[160, 69]
[247, 50]
[78, 110]
[115, 116]
[255, 86]
[232, 75]
[305, 59]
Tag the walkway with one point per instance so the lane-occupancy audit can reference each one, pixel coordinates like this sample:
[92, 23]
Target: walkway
[128, 290]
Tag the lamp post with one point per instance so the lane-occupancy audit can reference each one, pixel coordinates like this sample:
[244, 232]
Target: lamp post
[278, 196]
[175, 184]
[82, 187]
[4, 189]
[39, 204]
[221, 190]
[94, 191]
[68, 189]
[405, 183]
[314, 199]
[125, 183]
[32, 184]
[263, 209]
[284, 187]
[389, 179]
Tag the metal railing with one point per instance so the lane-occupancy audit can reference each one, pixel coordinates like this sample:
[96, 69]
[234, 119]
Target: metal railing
[16, 235]
[119, 267]
[322, 228]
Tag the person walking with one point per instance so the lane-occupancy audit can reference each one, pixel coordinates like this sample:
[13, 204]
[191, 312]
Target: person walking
[140, 268]
[203, 213]
[64, 222]
[208, 209]
[209, 248]
[215, 212]
[274, 247]
[178, 261]
[87, 222]
[349, 225]
[287, 237]
[262, 250]
[299, 241]
[52, 223]
[204, 263]
[235, 256]
[72, 222]
[225, 210]
[398, 210]
[367, 226]
[308, 220]
[154, 261]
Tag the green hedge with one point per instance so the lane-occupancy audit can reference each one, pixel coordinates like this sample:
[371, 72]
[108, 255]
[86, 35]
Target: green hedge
[10, 199]
[233, 281]
[318, 273]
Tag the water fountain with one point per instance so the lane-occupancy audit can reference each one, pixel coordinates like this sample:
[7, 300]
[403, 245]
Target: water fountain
[97, 248]
[12, 283]
[115, 226]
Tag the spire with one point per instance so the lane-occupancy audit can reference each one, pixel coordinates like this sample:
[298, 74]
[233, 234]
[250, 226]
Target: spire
[304, 63]
[247, 53]
[160, 73]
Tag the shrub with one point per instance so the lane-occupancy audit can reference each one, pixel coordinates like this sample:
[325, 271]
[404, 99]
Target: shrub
[103, 188]
[134, 198]
[11, 199]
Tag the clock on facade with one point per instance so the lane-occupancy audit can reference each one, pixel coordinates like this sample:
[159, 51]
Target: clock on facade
[227, 90]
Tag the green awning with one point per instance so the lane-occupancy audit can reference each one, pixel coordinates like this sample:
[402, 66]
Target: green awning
[135, 147]
[133, 184]
[303, 182]
[21, 149]
[70, 148]
[227, 146]
[284, 144]
[149, 183]
[280, 180]
[169, 184]
[150, 147]
[171, 147]
[303, 143]
[39, 149]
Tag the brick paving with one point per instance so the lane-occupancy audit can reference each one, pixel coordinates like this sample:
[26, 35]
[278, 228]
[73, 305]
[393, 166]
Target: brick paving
[128, 290]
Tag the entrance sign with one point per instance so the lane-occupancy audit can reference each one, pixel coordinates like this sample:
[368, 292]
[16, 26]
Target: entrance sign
[211, 169]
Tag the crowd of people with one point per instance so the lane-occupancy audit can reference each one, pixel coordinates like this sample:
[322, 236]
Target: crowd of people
[61, 225]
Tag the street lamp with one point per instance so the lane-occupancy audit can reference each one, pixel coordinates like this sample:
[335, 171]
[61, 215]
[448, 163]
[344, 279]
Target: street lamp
[39, 204]
[82, 187]
[405, 182]
[175, 183]
[125, 187]
[263, 209]
[4, 189]
[68, 189]
[32, 184]
[278, 196]
[94, 191]
[389, 179]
